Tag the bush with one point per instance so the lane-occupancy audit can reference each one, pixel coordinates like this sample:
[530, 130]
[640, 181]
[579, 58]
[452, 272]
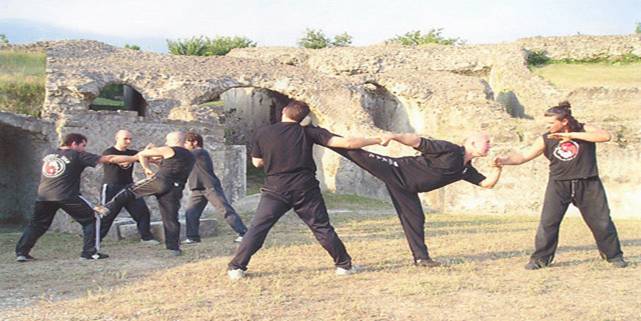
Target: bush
[637, 30]
[22, 82]
[132, 47]
[416, 38]
[316, 39]
[204, 46]
[3, 39]
[537, 58]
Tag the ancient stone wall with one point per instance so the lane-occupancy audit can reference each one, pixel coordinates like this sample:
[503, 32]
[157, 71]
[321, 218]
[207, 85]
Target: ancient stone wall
[583, 47]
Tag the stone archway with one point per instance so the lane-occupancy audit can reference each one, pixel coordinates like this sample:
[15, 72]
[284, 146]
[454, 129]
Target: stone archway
[117, 96]
[23, 141]
[387, 111]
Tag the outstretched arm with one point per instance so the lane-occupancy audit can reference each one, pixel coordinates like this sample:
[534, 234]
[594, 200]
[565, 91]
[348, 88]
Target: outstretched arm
[491, 180]
[591, 134]
[150, 153]
[353, 142]
[408, 139]
[520, 157]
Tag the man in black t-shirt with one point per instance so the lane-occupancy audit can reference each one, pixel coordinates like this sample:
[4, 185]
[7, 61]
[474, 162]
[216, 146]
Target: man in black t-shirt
[440, 163]
[205, 187]
[570, 147]
[167, 185]
[60, 189]
[284, 150]
[115, 178]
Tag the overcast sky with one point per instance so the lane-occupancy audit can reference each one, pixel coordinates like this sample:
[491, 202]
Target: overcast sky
[281, 23]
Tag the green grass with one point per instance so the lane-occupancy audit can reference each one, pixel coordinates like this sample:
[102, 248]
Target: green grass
[22, 79]
[572, 76]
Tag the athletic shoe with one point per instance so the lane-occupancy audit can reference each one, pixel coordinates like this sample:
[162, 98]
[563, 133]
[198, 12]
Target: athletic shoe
[235, 274]
[150, 242]
[618, 262]
[535, 265]
[353, 270]
[101, 210]
[24, 258]
[95, 256]
[175, 252]
[190, 241]
[428, 263]
[238, 239]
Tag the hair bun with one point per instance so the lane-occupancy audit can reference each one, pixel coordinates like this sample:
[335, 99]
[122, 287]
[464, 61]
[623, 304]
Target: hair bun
[565, 104]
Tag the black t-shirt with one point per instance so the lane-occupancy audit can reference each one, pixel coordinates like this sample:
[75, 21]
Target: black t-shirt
[60, 176]
[202, 175]
[287, 150]
[441, 163]
[573, 159]
[177, 168]
[115, 174]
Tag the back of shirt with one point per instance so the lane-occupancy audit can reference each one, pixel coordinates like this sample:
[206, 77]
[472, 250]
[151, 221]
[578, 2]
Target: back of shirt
[287, 151]
[115, 174]
[60, 177]
[177, 168]
[202, 175]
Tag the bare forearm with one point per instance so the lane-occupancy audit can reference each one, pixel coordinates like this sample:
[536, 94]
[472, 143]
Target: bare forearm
[596, 137]
[408, 139]
[491, 180]
[360, 142]
[144, 162]
[123, 159]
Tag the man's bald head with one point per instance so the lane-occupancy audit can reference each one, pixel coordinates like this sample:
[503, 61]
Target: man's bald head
[176, 138]
[478, 144]
[123, 139]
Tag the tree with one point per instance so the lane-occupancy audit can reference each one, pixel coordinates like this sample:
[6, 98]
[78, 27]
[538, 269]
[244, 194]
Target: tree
[3, 39]
[132, 47]
[204, 46]
[316, 39]
[638, 28]
[416, 38]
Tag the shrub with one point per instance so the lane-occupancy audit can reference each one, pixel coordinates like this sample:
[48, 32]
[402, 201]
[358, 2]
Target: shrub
[416, 38]
[204, 46]
[132, 47]
[3, 39]
[537, 57]
[316, 39]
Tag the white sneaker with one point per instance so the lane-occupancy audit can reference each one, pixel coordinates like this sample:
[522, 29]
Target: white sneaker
[150, 242]
[238, 239]
[355, 269]
[235, 274]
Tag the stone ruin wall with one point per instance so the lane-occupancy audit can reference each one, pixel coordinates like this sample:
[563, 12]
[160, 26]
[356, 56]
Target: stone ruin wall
[438, 91]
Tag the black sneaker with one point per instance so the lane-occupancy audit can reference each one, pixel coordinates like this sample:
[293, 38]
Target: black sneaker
[618, 262]
[95, 256]
[535, 265]
[24, 258]
[428, 263]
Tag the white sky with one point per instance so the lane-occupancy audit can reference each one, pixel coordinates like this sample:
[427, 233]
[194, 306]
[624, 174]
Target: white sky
[281, 22]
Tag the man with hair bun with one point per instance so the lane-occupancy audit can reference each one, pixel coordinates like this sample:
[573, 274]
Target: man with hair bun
[570, 147]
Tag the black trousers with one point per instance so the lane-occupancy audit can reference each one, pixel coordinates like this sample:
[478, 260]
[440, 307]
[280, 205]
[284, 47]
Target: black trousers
[43, 214]
[309, 206]
[589, 196]
[197, 203]
[406, 202]
[168, 194]
[137, 208]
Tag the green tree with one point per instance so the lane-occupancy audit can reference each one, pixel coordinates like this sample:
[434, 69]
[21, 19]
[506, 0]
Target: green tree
[132, 47]
[204, 46]
[3, 39]
[342, 40]
[638, 28]
[416, 38]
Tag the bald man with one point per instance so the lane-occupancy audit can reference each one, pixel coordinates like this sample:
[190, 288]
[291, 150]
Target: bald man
[440, 163]
[167, 185]
[115, 178]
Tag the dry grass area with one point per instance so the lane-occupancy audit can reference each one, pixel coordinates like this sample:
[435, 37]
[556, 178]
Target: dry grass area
[573, 76]
[292, 278]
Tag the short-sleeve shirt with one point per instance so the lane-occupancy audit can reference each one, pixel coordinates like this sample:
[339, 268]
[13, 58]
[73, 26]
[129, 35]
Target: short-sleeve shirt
[440, 163]
[287, 151]
[60, 175]
[572, 159]
[116, 174]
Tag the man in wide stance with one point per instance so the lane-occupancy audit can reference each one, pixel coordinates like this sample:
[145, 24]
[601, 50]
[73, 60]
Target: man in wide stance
[440, 163]
[284, 150]
[167, 185]
[60, 189]
[570, 147]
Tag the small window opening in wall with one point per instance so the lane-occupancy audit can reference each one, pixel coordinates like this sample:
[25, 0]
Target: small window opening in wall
[119, 97]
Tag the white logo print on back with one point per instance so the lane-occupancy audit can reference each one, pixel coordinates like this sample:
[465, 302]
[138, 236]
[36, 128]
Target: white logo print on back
[53, 166]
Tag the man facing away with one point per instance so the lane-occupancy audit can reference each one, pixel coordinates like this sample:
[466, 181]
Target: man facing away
[205, 187]
[59, 188]
[284, 150]
[167, 185]
[115, 178]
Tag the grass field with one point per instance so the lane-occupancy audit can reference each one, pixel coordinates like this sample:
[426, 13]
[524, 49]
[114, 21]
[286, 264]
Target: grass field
[292, 278]
[572, 76]
[22, 80]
